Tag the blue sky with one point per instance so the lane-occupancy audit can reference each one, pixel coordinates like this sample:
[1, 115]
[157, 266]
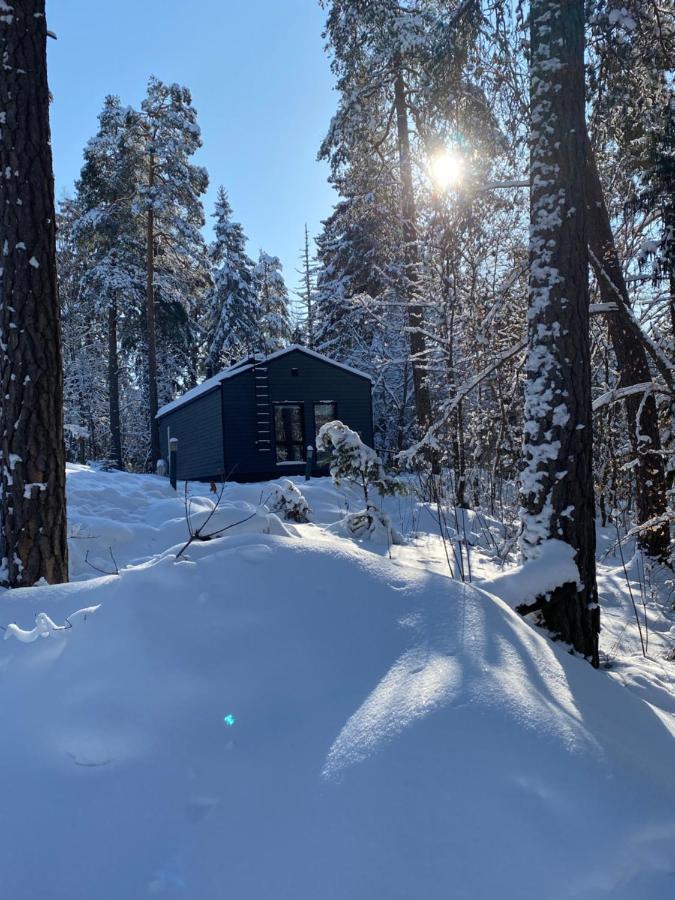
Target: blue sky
[260, 81]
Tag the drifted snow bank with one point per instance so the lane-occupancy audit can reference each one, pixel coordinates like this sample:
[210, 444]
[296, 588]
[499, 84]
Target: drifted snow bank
[553, 567]
[294, 716]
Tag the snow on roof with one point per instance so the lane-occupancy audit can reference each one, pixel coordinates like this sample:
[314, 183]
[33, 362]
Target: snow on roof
[238, 368]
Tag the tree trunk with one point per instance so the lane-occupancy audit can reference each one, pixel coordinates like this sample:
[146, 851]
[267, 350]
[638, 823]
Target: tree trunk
[631, 357]
[411, 256]
[114, 388]
[33, 540]
[150, 324]
[557, 483]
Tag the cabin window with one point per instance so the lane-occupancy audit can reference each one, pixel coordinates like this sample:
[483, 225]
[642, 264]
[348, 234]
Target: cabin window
[289, 432]
[324, 411]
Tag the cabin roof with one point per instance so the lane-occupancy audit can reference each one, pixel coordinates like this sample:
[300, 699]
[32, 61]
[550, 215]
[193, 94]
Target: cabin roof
[244, 365]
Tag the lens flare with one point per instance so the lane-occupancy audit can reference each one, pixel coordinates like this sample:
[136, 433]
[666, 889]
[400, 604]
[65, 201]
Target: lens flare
[446, 169]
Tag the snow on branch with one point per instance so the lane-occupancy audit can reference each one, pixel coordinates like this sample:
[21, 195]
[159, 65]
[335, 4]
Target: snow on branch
[647, 387]
[463, 390]
[44, 626]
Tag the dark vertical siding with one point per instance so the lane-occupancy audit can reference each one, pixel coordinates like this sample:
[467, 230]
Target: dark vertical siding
[316, 380]
[242, 457]
[199, 428]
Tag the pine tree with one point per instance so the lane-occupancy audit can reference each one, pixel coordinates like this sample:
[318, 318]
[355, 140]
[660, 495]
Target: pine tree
[231, 305]
[387, 56]
[33, 541]
[557, 483]
[274, 326]
[176, 270]
[110, 238]
[628, 77]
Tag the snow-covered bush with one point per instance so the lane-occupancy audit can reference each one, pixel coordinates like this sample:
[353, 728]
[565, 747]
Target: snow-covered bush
[371, 524]
[352, 460]
[289, 501]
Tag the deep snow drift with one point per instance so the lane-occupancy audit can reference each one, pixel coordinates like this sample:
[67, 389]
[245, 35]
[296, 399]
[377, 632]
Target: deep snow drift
[290, 713]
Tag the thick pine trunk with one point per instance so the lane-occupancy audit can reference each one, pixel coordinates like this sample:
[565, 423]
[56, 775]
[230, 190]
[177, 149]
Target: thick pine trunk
[151, 326]
[33, 539]
[411, 256]
[557, 483]
[631, 357]
[114, 388]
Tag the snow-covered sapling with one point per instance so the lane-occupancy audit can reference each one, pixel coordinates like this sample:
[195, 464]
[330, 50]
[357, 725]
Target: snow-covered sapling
[352, 460]
[372, 524]
[289, 501]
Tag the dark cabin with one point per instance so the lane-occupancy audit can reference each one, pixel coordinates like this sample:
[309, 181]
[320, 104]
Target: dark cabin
[255, 420]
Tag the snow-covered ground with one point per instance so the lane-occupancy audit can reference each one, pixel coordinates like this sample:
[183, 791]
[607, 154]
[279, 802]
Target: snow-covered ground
[287, 712]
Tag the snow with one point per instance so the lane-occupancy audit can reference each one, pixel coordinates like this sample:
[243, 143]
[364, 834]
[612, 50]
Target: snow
[288, 500]
[210, 383]
[44, 626]
[288, 712]
[553, 566]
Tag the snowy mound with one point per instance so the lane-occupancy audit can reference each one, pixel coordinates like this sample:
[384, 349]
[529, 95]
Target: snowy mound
[288, 715]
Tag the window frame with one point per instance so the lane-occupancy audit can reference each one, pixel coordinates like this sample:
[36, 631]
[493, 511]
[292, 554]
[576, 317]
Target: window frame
[289, 444]
[316, 403]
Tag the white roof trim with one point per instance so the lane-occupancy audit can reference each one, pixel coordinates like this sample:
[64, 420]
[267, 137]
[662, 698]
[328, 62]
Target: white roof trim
[237, 369]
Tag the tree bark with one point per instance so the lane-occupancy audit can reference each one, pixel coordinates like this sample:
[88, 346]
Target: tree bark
[411, 255]
[114, 388]
[628, 345]
[150, 324]
[557, 482]
[33, 539]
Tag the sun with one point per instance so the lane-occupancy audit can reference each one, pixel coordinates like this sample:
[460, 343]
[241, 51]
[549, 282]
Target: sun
[445, 169]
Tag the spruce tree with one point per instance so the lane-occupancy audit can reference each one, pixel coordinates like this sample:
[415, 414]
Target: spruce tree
[86, 395]
[231, 304]
[306, 293]
[274, 326]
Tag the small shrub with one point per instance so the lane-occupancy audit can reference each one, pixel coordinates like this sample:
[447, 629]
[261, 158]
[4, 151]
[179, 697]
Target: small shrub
[352, 460]
[289, 501]
[372, 524]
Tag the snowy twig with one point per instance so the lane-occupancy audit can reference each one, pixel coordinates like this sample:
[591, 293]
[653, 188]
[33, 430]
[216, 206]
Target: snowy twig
[198, 534]
[102, 571]
[44, 626]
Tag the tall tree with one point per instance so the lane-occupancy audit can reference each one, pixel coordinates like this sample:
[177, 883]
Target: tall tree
[231, 304]
[557, 483]
[110, 238]
[274, 326]
[631, 356]
[169, 197]
[307, 293]
[33, 539]
[631, 46]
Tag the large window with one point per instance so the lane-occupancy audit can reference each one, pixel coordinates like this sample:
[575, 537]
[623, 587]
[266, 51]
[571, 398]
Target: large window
[289, 432]
[324, 411]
